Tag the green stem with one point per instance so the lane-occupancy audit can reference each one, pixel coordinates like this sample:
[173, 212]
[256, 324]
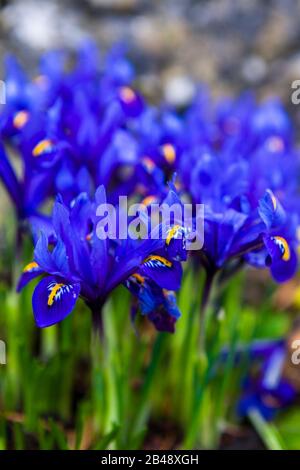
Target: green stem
[204, 304]
[144, 406]
[267, 431]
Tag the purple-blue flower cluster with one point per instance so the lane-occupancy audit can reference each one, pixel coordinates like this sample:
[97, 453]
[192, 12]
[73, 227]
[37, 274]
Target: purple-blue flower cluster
[80, 126]
[69, 127]
[75, 262]
[245, 171]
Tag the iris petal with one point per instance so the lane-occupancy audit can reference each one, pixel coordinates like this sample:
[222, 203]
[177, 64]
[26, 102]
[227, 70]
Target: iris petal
[282, 258]
[131, 102]
[163, 272]
[53, 300]
[271, 211]
[31, 271]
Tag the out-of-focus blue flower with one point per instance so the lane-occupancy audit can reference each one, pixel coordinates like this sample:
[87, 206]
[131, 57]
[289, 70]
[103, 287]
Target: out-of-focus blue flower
[239, 161]
[269, 391]
[158, 137]
[70, 127]
[81, 264]
[28, 192]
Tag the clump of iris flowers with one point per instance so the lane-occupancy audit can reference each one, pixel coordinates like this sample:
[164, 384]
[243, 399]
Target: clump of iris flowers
[75, 262]
[68, 127]
[76, 137]
[80, 125]
[245, 169]
[239, 159]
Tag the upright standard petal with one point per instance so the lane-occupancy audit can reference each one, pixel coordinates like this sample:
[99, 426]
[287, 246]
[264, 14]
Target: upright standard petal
[271, 211]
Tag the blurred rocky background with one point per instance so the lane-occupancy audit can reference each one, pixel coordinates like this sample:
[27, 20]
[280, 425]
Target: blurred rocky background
[230, 45]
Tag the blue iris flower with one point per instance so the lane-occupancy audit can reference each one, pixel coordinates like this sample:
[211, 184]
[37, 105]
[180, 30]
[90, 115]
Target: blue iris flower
[269, 391]
[76, 263]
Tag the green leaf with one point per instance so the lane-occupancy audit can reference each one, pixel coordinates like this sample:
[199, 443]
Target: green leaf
[108, 438]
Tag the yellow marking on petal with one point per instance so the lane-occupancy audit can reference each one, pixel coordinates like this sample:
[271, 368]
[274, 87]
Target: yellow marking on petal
[168, 293]
[148, 200]
[286, 249]
[89, 237]
[169, 153]
[172, 233]
[43, 146]
[275, 144]
[41, 80]
[274, 201]
[164, 261]
[127, 94]
[148, 163]
[139, 278]
[20, 119]
[296, 298]
[178, 185]
[53, 293]
[30, 266]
